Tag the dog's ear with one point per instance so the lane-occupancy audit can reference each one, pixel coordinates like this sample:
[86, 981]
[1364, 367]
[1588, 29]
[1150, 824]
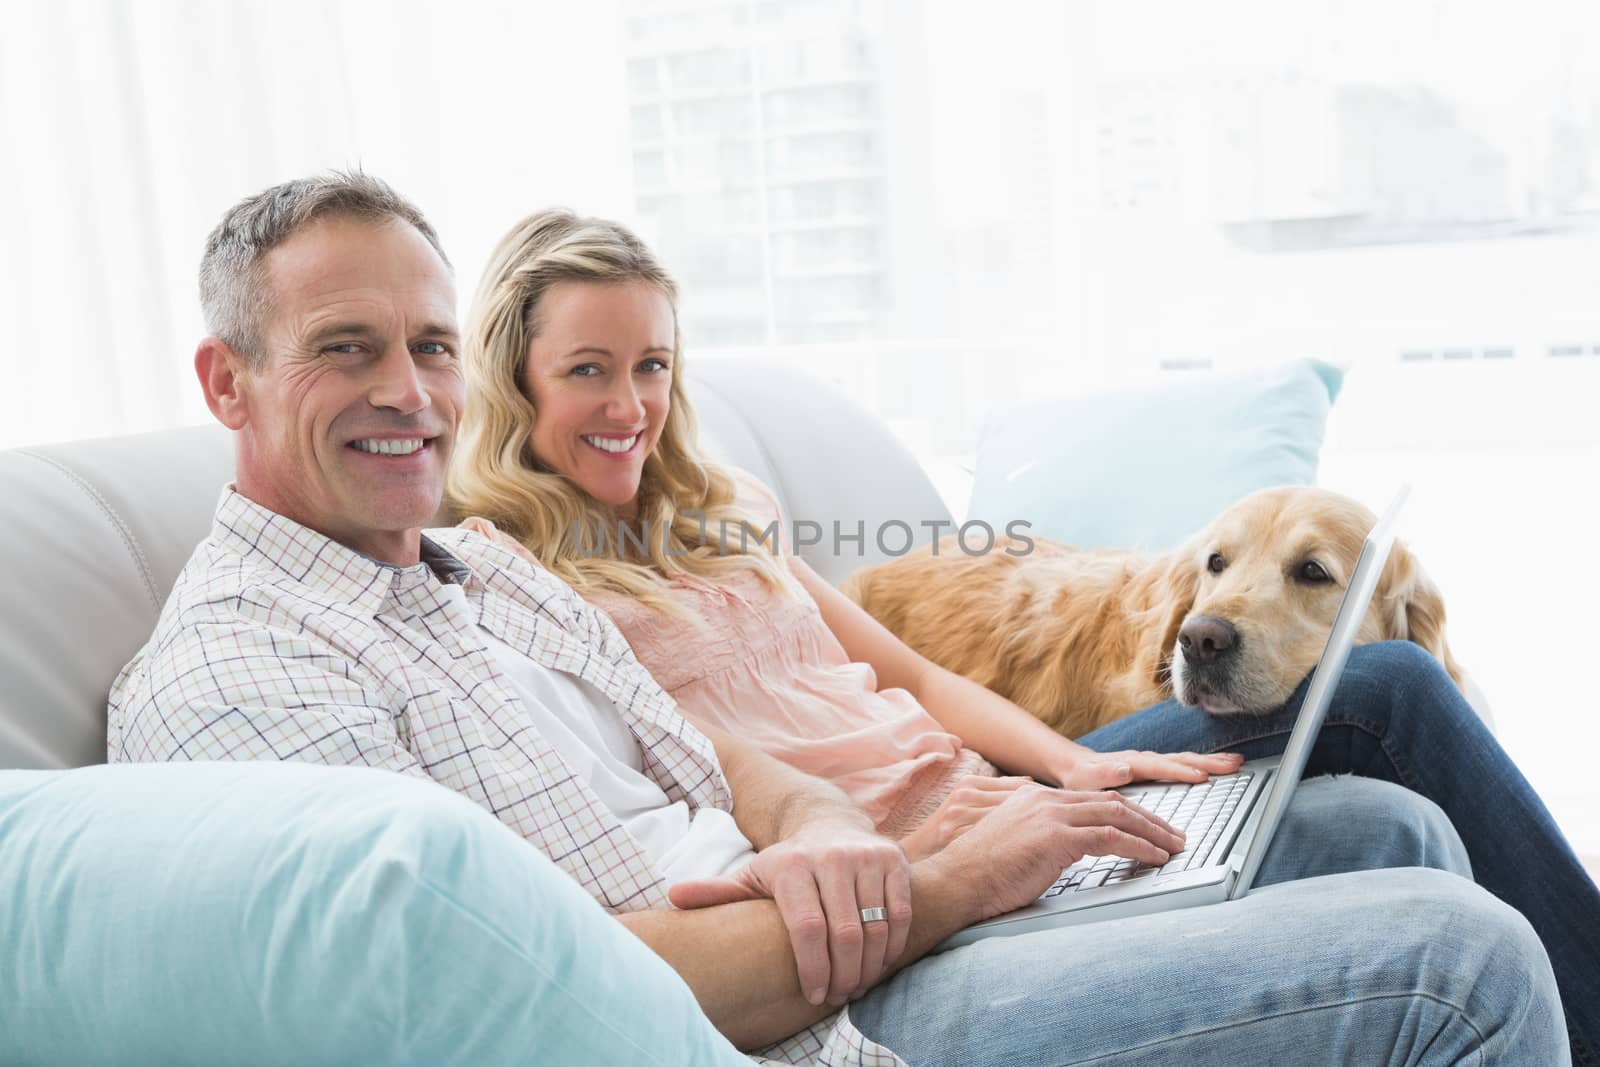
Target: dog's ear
[1413, 609]
[1177, 584]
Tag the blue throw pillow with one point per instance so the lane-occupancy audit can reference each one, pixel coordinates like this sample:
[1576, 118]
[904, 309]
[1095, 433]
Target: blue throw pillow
[281, 913]
[1145, 468]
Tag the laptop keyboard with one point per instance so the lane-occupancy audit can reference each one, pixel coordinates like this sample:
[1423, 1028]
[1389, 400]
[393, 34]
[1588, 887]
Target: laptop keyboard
[1201, 811]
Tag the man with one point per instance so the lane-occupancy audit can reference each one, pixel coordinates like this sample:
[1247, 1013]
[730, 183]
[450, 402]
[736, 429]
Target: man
[317, 622]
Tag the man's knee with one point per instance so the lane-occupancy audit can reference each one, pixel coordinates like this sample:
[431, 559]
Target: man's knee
[1421, 830]
[1388, 825]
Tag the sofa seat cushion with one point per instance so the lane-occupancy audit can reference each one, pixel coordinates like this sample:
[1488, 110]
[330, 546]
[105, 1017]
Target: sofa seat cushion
[292, 913]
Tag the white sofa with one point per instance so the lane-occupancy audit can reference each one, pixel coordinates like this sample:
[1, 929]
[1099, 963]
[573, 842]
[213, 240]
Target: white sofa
[95, 533]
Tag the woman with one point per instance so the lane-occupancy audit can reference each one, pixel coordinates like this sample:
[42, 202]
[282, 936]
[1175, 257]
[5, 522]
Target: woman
[580, 448]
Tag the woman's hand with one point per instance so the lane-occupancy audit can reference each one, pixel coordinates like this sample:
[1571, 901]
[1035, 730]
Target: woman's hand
[1107, 770]
[821, 879]
[974, 796]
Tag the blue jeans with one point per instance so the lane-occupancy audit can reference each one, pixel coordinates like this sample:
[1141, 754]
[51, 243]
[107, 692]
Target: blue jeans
[1397, 716]
[1404, 965]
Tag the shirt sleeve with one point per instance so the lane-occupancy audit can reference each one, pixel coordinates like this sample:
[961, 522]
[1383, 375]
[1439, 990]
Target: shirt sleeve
[234, 690]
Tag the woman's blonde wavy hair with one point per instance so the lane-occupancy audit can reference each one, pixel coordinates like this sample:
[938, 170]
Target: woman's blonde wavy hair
[496, 475]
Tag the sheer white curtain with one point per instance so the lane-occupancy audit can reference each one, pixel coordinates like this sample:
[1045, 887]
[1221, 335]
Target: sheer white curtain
[128, 128]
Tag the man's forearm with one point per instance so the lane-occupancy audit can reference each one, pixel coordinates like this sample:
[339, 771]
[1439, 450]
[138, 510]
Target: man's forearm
[738, 960]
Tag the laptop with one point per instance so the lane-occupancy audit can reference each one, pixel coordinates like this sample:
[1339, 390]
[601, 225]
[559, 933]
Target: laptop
[1229, 821]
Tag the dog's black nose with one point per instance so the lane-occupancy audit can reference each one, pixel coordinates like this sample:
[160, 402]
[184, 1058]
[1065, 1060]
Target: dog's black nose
[1206, 638]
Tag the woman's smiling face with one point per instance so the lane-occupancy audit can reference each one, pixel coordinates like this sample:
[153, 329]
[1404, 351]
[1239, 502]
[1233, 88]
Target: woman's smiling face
[599, 375]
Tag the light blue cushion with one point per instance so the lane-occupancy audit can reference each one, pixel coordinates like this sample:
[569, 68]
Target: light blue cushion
[282, 913]
[1145, 468]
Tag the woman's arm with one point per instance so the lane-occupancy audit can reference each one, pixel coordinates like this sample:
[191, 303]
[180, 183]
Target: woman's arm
[1007, 735]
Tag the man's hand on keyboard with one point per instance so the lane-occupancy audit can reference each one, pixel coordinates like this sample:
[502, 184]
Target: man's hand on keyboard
[1017, 851]
[973, 797]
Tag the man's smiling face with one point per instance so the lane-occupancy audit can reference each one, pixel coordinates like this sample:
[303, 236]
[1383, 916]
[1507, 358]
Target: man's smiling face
[350, 418]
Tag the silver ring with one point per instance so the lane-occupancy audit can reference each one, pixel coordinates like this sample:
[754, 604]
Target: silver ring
[874, 915]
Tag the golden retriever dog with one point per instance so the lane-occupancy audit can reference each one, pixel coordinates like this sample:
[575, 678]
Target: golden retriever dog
[1231, 622]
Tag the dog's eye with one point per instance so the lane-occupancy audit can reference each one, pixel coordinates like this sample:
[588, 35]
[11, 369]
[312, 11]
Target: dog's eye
[1312, 572]
[1216, 564]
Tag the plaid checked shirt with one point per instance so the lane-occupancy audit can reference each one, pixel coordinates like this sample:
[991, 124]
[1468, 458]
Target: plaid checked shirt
[278, 643]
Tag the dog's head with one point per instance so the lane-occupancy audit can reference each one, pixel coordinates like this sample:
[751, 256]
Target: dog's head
[1259, 588]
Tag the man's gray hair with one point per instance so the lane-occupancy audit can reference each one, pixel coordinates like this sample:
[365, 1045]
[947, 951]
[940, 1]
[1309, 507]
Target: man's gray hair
[234, 294]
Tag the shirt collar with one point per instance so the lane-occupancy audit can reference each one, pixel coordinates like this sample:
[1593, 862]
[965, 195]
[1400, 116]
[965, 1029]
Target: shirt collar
[310, 558]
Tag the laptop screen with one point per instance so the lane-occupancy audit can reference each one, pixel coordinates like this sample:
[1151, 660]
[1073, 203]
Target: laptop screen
[1358, 594]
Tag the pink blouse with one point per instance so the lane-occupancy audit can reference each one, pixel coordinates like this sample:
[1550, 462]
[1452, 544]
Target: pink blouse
[767, 669]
